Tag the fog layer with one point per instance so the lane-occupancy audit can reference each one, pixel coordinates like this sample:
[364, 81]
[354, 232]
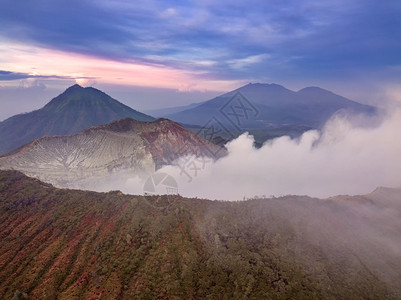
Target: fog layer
[347, 157]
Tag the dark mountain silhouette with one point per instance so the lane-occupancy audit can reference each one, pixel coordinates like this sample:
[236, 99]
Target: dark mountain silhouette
[162, 112]
[72, 111]
[122, 147]
[70, 244]
[270, 106]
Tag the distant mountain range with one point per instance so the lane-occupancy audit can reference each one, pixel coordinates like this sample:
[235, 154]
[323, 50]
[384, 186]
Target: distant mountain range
[122, 148]
[268, 106]
[70, 244]
[72, 111]
[265, 110]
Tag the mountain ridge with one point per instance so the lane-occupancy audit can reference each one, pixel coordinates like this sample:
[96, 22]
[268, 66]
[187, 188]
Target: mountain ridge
[124, 147]
[73, 110]
[69, 244]
[275, 106]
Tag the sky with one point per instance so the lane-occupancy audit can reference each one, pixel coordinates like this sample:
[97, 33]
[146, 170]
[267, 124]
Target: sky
[153, 53]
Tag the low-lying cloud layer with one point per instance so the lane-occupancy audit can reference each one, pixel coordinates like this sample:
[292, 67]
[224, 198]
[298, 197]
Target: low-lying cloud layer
[347, 157]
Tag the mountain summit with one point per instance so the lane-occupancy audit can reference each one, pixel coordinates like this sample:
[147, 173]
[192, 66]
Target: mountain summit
[75, 109]
[270, 106]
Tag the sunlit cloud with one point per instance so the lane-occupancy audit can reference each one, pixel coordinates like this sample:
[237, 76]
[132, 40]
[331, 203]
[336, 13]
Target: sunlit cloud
[248, 61]
[85, 82]
[88, 69]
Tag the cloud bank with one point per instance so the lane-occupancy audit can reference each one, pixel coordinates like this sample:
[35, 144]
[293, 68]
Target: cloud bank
[347, 157]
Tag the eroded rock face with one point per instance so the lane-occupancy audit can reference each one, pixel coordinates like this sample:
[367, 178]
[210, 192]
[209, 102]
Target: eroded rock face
[122, 147]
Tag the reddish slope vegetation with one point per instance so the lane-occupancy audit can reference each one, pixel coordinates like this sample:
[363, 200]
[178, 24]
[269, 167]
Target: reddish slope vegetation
[70, 244]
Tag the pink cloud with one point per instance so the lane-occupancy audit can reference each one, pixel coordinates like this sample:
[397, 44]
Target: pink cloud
[26, 59]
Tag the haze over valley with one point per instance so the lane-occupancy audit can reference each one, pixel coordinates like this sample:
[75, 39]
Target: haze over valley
[229, 157]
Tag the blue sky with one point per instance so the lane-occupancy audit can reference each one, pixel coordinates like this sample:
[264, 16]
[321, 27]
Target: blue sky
[187, 51]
